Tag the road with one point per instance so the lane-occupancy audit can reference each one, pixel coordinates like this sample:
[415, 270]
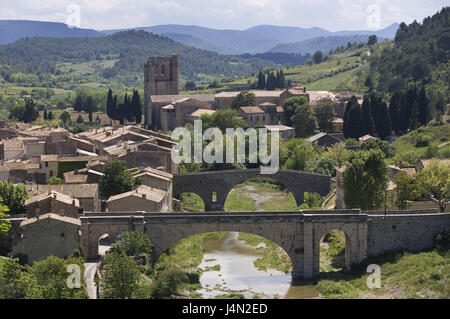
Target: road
[90, 270]
[89, 273]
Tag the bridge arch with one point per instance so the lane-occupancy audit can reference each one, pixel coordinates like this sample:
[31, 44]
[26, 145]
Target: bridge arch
[220, 183]
[256, 189]
[228, 236]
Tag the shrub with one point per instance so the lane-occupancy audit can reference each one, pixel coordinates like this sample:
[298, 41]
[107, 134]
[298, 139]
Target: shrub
[442, 240]
[422, 140]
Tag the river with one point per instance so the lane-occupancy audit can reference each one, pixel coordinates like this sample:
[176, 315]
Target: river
[237, 273]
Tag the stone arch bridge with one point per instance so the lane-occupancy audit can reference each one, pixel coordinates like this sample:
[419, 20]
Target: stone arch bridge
[298, 233]
[213, 187]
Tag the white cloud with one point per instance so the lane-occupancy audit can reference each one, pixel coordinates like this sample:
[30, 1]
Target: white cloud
[229, 14]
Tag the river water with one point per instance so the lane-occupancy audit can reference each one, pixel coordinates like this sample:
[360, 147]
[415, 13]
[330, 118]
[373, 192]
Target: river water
[237, 273]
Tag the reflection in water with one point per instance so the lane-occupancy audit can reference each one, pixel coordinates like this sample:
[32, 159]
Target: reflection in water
[237, 273]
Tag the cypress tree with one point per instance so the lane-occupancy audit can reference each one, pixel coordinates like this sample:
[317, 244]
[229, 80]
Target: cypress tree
[355, 121]
[413, 121]
[136, 107]
[422, 102]
[404, 113]
[394, 112]
[384, 128]
[109, 104]
[346, 120]
[261, 81]
[367, 121]
[45, 115]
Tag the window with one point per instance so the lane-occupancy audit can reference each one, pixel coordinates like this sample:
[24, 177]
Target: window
[214, 197]
[51, 173]
[46, 164]
[264, 118]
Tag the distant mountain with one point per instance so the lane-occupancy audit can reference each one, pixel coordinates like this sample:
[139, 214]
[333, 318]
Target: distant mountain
[12, 30]
[258, 39]
[388, 32]
[324, 44]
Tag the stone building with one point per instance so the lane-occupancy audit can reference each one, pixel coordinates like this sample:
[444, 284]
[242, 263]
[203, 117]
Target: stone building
[53, 202]
[87, 194]
[286, 132]
[323, 139]
[161, 77]
[144, 198]
[47, 235]
[263, 114]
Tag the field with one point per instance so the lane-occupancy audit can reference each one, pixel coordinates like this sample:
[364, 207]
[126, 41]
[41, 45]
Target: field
[437, 138]
[427, 276]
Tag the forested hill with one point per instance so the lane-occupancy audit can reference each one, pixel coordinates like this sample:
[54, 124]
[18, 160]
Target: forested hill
[127, 51]
[420, 53]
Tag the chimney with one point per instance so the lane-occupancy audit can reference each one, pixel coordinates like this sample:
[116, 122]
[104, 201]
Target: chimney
[144, 196]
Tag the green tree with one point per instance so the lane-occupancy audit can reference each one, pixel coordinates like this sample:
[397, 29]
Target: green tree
[261, 81]
[134, 243]
[167, 283]
[372, 40]
[403, 190]
[365, 180]
[324, 112]
[30, 112]
[318, 57]
[5, 225]
[120, 277]
[64, 117]
[321, 165]
[190, 86]
[14, 197]
[117, 179]
[245, 98]
[377, 144]
[367, 121]
[222, 119]
[295, 153]
[51, 276]
[353, 120]
[394, 112]
[55, 181]
[434, 182]
[136, 107]
[290, 105]
[16, 282]
[110, 107]
[304, 121]
[424, 112]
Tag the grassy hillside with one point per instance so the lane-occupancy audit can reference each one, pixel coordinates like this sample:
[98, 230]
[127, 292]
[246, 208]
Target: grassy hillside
[425, 142]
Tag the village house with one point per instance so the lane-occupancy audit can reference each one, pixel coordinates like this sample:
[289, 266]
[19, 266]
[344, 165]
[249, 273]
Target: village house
[86, 194]
[286, 132]
[53, 202]
[144, 198]
[263, 114]
[38, 232]
[323, 140]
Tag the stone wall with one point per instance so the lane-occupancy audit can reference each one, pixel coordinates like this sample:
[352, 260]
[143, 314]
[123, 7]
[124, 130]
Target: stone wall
[413, 232]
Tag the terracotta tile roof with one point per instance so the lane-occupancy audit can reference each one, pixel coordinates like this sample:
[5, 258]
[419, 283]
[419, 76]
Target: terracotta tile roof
[251, 109]
[56, 196]
[56, 217]
[200, 112]
[152, 194]
[72, 190]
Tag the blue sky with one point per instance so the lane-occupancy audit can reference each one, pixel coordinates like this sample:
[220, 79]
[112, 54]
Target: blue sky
[225, 14]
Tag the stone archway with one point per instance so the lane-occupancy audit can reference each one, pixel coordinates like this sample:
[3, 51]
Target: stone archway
[214, 186]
